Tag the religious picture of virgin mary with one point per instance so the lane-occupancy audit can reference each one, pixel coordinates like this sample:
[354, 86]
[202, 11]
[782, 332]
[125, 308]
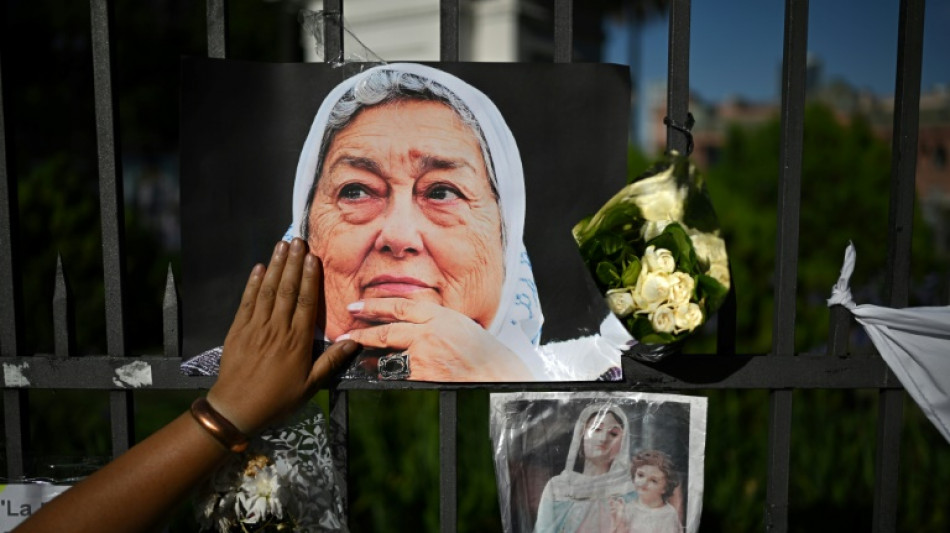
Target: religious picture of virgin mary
[615, 462]
[410, 188]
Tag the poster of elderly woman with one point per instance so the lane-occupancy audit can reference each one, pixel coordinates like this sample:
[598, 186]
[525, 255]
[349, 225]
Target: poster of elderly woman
[441, 231]
[599, 461]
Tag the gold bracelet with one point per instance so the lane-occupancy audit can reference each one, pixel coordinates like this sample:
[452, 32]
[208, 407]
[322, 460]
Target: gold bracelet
[219, 427]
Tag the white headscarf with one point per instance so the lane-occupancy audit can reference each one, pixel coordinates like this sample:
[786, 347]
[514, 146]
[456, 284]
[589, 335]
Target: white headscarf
[574, 485]
[517, 323]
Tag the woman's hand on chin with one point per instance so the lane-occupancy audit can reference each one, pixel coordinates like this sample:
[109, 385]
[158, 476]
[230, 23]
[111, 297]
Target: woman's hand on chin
[443, 344]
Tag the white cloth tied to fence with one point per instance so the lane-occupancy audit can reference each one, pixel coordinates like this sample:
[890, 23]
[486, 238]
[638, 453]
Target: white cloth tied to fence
[914, 342]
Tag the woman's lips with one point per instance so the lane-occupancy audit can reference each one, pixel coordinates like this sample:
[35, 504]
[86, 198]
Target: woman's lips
[383, 286]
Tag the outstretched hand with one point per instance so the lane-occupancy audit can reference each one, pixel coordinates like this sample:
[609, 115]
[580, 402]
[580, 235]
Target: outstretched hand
[267, 366]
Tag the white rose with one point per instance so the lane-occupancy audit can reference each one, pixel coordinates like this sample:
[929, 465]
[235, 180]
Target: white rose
[620, 301]
[659, 260]
[652, 228]
[709, 248]
[688, 316]
[720, 273]
[663, 319]
[681, 288]
[659, 197]
[651, 291]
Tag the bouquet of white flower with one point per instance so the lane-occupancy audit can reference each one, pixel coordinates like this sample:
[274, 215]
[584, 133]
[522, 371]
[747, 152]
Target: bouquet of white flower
[284, 481]
[655, 252]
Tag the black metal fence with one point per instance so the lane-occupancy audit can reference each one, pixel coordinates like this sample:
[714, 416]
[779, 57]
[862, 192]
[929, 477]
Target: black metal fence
[781, 371]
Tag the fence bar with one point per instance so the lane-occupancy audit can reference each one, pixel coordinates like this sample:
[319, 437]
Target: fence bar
[339, 429]
[448, 399]
[63, 340]
[333, 30]
[685, 372]
[900, 224]
[217, 28]
[786, 265]
[563, 31]
[112, 215]
[15, 402]
[449, 30]
[171, 317]
[677, 83]
[448, 460]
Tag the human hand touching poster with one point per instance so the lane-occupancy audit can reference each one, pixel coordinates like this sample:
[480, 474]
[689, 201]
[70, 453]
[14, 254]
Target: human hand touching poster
[412, 189]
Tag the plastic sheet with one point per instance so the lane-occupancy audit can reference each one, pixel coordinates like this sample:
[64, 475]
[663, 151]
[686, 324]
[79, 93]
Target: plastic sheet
[914, 342]
[599, 461]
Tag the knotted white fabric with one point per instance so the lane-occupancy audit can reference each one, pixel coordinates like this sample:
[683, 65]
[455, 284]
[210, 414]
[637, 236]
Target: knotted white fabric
[914, 342]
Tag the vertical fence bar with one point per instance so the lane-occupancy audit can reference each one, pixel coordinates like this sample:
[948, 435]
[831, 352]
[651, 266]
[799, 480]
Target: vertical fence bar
[449, 30]
[786, 264]
[62, 313]
[448, 460]
[333, 30]
[15, 402]
[339, 429]
[448, 400]
[677, 83]
[112, 215]
[217, 25]
[563, 31]
[171, 317]
[339, 420]
[900, 224]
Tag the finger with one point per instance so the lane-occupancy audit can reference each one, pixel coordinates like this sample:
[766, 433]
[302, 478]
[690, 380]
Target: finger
[268, 291]
[289, 286]
[330, 362]
[395, 310]
[306, 313]
[397, 336]
[246, 308]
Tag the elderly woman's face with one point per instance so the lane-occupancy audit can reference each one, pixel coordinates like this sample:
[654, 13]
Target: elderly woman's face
[603, 436]
[404, 208]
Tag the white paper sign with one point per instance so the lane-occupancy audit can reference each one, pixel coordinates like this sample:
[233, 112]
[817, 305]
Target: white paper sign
[18, 502]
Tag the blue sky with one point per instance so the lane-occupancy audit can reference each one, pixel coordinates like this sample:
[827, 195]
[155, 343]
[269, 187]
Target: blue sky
[736, 46]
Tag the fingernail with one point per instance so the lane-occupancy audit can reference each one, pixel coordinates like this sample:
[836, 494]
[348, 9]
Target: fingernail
[280, 249]
[310, 261]
[344, 337]
[296, 246]
[258, 270]
[355, 307]
[349, 346]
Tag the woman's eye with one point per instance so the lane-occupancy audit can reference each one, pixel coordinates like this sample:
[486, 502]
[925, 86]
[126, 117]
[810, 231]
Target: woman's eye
[353, 191]
[443, 193]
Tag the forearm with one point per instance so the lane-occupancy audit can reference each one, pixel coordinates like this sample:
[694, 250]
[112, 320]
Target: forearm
[138, 489]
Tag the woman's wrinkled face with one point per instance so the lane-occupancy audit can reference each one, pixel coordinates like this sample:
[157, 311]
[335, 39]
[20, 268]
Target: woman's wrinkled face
[404, 208]
[650, 483]
[603, 435]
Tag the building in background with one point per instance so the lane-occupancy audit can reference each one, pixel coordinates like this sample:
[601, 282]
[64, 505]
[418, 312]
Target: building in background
[933, 171]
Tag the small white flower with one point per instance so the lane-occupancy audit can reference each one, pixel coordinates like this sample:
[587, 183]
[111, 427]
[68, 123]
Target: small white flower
[259, 495]
[659, 260]
[688, 316]
[663, 319]
[620, 301]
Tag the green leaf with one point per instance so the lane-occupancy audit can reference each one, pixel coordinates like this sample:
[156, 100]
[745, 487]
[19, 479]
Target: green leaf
[607, 274]
[675, 239]
[630, 273]
[714, 292]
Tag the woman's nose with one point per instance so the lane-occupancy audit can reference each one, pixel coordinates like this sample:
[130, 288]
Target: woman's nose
[400, 233]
